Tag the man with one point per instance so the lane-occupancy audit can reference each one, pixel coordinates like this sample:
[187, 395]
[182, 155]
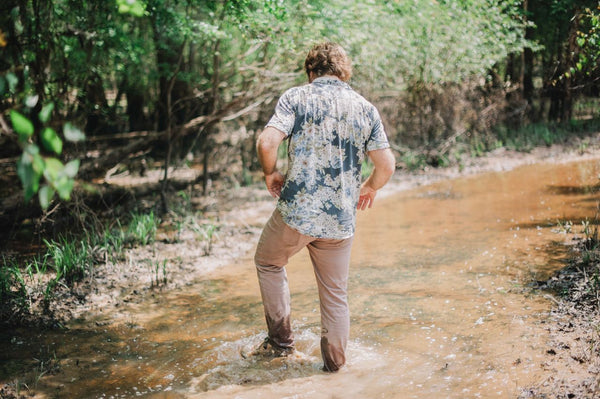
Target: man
[330, 129]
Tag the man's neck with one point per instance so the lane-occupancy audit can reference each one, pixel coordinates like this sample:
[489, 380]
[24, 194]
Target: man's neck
[312, 77]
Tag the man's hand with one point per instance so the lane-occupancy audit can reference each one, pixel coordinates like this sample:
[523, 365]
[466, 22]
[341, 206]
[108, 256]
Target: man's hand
[384, 166]
[366, 198]
[274, 183]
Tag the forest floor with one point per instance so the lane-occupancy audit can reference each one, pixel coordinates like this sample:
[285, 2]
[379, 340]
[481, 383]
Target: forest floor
[237, 215]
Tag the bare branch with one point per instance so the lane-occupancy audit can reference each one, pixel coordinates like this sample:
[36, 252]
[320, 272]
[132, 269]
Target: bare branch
[246, 109]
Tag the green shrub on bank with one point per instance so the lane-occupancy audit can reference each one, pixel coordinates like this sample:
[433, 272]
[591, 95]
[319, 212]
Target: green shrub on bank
[543, 134]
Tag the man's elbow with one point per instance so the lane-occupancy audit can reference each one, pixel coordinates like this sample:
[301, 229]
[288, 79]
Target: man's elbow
[389, 166]
[269, 139]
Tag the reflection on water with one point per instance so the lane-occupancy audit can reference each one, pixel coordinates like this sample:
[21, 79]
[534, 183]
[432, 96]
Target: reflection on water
[436, 300]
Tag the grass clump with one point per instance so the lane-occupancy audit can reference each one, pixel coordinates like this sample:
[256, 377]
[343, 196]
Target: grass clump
[70, 258]
[13, 290]
[28, 285]
[142, 228]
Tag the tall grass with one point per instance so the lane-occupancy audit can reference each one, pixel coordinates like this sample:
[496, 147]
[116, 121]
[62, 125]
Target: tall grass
[142, 228]
[70, 258]
[109, 244]
[13, 290]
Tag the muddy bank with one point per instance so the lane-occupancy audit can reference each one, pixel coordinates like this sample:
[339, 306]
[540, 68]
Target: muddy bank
[573, 355]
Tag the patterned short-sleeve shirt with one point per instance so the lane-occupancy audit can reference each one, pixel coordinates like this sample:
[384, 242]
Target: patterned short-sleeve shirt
[330, 128]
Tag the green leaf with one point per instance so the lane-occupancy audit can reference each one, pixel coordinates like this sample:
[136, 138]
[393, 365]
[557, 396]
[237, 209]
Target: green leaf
[51, 141]
[72, 133]
[22, 125]
[45, 195]
[64, 186]
[133, 7]
[12, 80]
[31, 101]
[38, 164]
[53, 170]
[30, 178]
[46, 112]
[71, 168]
[31, 149]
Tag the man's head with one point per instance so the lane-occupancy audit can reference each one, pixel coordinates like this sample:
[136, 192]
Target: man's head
[328, 59]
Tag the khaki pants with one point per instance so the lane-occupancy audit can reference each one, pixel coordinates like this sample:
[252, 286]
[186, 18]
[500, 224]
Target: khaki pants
[331, 261]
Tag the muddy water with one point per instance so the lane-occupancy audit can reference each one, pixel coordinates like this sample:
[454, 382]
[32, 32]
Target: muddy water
[436, 295]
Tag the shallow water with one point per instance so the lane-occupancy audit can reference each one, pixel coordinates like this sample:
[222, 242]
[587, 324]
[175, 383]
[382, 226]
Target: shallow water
[437, 307]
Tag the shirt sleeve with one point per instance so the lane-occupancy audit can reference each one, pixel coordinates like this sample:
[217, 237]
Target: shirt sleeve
[377, 139]
[284, 117]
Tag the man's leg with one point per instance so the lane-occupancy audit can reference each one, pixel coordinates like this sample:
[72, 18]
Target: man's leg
[331, 261]
[277, 243]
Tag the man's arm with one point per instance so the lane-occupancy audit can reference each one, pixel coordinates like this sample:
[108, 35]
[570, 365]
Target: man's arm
[384, 165]
[266, 146]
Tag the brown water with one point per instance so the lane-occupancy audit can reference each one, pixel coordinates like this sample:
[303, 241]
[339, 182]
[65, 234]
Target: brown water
[436, 295]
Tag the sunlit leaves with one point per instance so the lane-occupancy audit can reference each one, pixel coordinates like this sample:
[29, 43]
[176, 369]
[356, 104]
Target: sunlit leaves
[46, 112]
[588, 41]
[33, 165]
[51, 141]
[60, 176]
[30, 168]
[133, 7]
[45, 196]
[23, 126]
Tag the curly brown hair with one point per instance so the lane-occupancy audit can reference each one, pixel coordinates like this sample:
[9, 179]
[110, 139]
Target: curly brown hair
[328, 59]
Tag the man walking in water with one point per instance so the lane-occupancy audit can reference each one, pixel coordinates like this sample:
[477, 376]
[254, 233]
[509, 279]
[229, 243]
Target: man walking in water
[330, 129]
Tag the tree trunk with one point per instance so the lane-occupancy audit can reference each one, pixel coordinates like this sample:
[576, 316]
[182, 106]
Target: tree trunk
[528, 69]
[135, 108]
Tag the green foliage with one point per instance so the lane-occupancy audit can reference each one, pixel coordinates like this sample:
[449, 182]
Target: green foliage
[366, 169]
[12, 284]
[588, 41]
[133, 7]
[33, 165]
[142, 228]
[205, 233]
[112, 242]
[70, 258]
[542, 134]
[23, 126]
[413, 160]
[433, 42]
[158, 266]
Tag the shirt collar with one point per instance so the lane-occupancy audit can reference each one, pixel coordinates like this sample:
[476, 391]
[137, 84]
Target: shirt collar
[326, 80]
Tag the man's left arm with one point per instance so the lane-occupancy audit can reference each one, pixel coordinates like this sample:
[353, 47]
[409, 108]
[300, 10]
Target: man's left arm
[384, 166]
[267, 145]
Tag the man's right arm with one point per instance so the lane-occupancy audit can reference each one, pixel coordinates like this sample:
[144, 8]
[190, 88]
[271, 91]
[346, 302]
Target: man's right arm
[384, 166]
[266, 145]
